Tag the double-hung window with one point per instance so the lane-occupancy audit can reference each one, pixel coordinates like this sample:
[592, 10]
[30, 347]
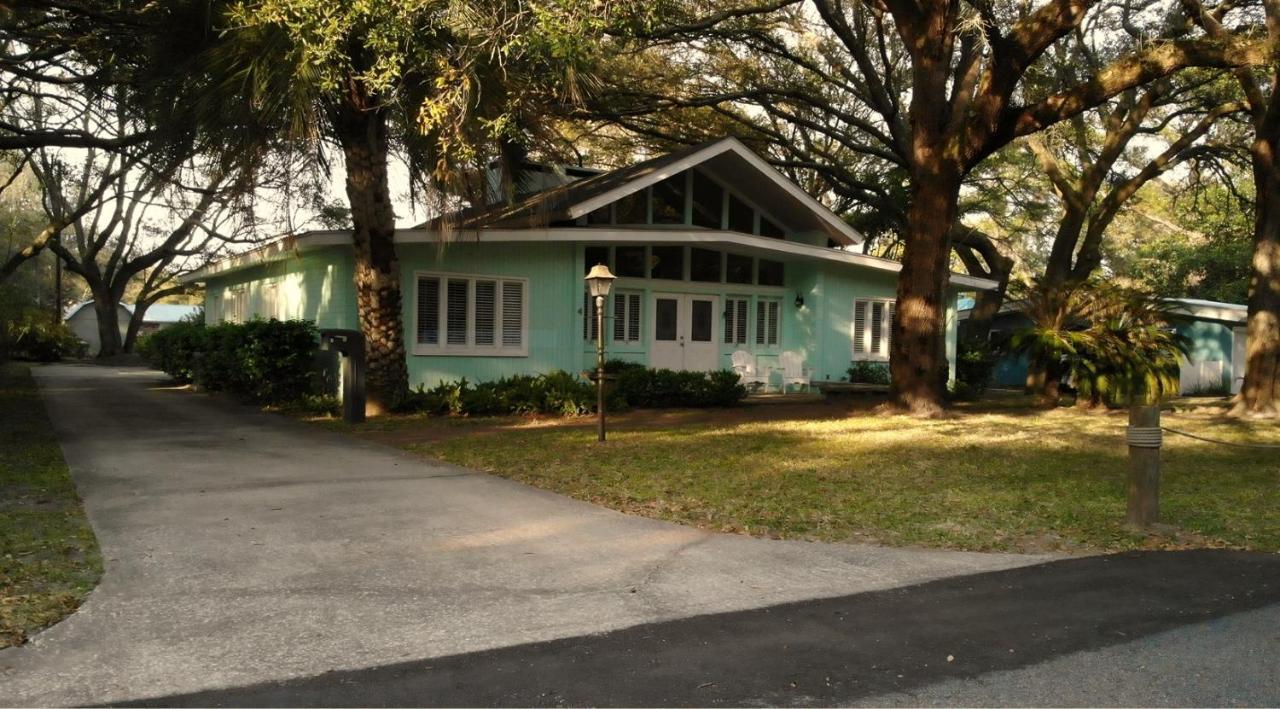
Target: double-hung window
[626, 316]
[466, 314]
[735, 320]
[767, 310]
[872, 328]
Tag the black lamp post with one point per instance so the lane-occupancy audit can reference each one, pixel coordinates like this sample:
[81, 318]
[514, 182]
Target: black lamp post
[599, 281]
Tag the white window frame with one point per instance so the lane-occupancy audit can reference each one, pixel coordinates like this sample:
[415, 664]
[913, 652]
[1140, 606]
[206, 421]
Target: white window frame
[761, 336]
[886, 332]
[628, 298]
[237, 298]
[731, 333]
[497, 349]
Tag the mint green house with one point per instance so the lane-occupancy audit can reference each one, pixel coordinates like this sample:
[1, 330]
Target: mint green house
[715, 252]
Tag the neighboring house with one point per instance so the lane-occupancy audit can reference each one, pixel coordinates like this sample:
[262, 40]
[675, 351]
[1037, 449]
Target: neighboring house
[83, 320]
[1215, 333]
[714, 250]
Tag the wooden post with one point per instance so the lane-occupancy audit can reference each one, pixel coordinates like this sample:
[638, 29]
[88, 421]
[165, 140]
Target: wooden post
[1144, 438]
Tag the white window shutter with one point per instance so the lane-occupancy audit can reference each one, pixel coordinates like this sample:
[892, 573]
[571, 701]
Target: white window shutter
[428, 311]
[633, 317]
[877, 326]
[512, 314]
[619, 317]
[729, 320]
[888, 333]
[761, 333]
[773, 322]
[486, 313]
[456, 324]
[859, 327]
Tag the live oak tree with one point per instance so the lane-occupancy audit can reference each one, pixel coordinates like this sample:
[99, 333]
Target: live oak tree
[954, 96]
[1260, 393]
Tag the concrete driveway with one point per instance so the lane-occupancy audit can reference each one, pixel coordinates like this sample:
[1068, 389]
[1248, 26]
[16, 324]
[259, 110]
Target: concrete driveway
[242, 548]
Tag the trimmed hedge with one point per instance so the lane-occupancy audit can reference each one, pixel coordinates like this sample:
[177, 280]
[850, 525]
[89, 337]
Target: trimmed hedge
[863, 372]
[263, 361]
[559, 393]
[646, 388]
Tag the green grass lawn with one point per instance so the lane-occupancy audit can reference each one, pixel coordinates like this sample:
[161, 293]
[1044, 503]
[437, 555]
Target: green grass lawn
[49, 557]
[999, 477]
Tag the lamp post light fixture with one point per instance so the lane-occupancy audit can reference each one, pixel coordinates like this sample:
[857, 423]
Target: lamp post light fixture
[599, 280]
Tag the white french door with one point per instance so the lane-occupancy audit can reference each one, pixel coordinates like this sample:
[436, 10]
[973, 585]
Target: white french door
[684, 331]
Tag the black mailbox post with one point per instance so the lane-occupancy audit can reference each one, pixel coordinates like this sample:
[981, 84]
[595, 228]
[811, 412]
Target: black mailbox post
[350, 345]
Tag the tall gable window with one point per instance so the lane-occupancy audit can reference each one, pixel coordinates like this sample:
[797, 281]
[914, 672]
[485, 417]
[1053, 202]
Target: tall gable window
[741, 216]
[708, 201]
[668, 200]
[872, 328]
[466, 314]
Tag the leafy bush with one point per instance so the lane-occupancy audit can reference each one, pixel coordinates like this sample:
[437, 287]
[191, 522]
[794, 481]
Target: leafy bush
[173, 349]
[863, 372]
[648, 388]
[975, 364]
[558, 393]
[264, 361]
[33, 336]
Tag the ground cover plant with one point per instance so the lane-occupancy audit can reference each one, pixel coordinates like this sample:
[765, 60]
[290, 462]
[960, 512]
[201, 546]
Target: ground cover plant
[49, 558]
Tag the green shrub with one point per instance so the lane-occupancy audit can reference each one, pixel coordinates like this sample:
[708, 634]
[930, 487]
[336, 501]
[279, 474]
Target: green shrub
[975, 364]
[560, 393]
[863, 372]
[648, 388]
[173, 349]
[264, 361]
[33, 336]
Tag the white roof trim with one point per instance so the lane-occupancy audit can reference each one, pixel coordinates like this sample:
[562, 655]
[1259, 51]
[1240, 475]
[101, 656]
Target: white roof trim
[729, 144]
[710, 237]
[1210, 310]
[275, 251]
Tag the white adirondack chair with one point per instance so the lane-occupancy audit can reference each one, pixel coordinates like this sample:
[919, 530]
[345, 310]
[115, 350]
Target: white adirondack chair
[794, 371]
[744, 364]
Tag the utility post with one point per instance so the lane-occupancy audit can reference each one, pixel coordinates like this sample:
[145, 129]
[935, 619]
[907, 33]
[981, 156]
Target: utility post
[1144, 438]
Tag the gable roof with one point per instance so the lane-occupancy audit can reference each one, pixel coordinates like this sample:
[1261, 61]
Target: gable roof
[1189, 307]
[1210, 309]
[727, 159]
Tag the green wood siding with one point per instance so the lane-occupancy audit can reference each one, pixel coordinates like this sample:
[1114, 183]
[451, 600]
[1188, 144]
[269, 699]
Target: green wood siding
[318, 286]
[1209, 341]
[313, 285]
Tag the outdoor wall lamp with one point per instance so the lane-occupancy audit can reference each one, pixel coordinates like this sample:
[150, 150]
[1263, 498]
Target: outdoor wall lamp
[599, 280]
[799, 300]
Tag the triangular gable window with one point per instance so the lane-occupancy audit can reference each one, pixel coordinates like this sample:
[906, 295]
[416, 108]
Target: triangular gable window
[688, 198]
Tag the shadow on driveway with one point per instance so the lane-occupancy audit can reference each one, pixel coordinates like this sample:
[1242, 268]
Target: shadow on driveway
[828, 651]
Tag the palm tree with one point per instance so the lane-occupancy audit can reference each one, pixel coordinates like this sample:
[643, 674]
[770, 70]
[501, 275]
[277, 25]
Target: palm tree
[1113, 343]
[443, 84]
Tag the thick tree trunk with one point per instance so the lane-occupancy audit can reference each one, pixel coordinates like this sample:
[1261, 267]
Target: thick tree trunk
[107, 310]
[987, 303]
[1258, 395]
[365, 146]
[135, 324]
[916, 359]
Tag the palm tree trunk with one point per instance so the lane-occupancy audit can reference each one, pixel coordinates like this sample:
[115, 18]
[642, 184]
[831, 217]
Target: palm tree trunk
[365, 146]
[1258, 395]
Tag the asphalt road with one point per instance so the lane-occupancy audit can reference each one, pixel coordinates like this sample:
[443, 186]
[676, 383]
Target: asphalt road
[1165, 629]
